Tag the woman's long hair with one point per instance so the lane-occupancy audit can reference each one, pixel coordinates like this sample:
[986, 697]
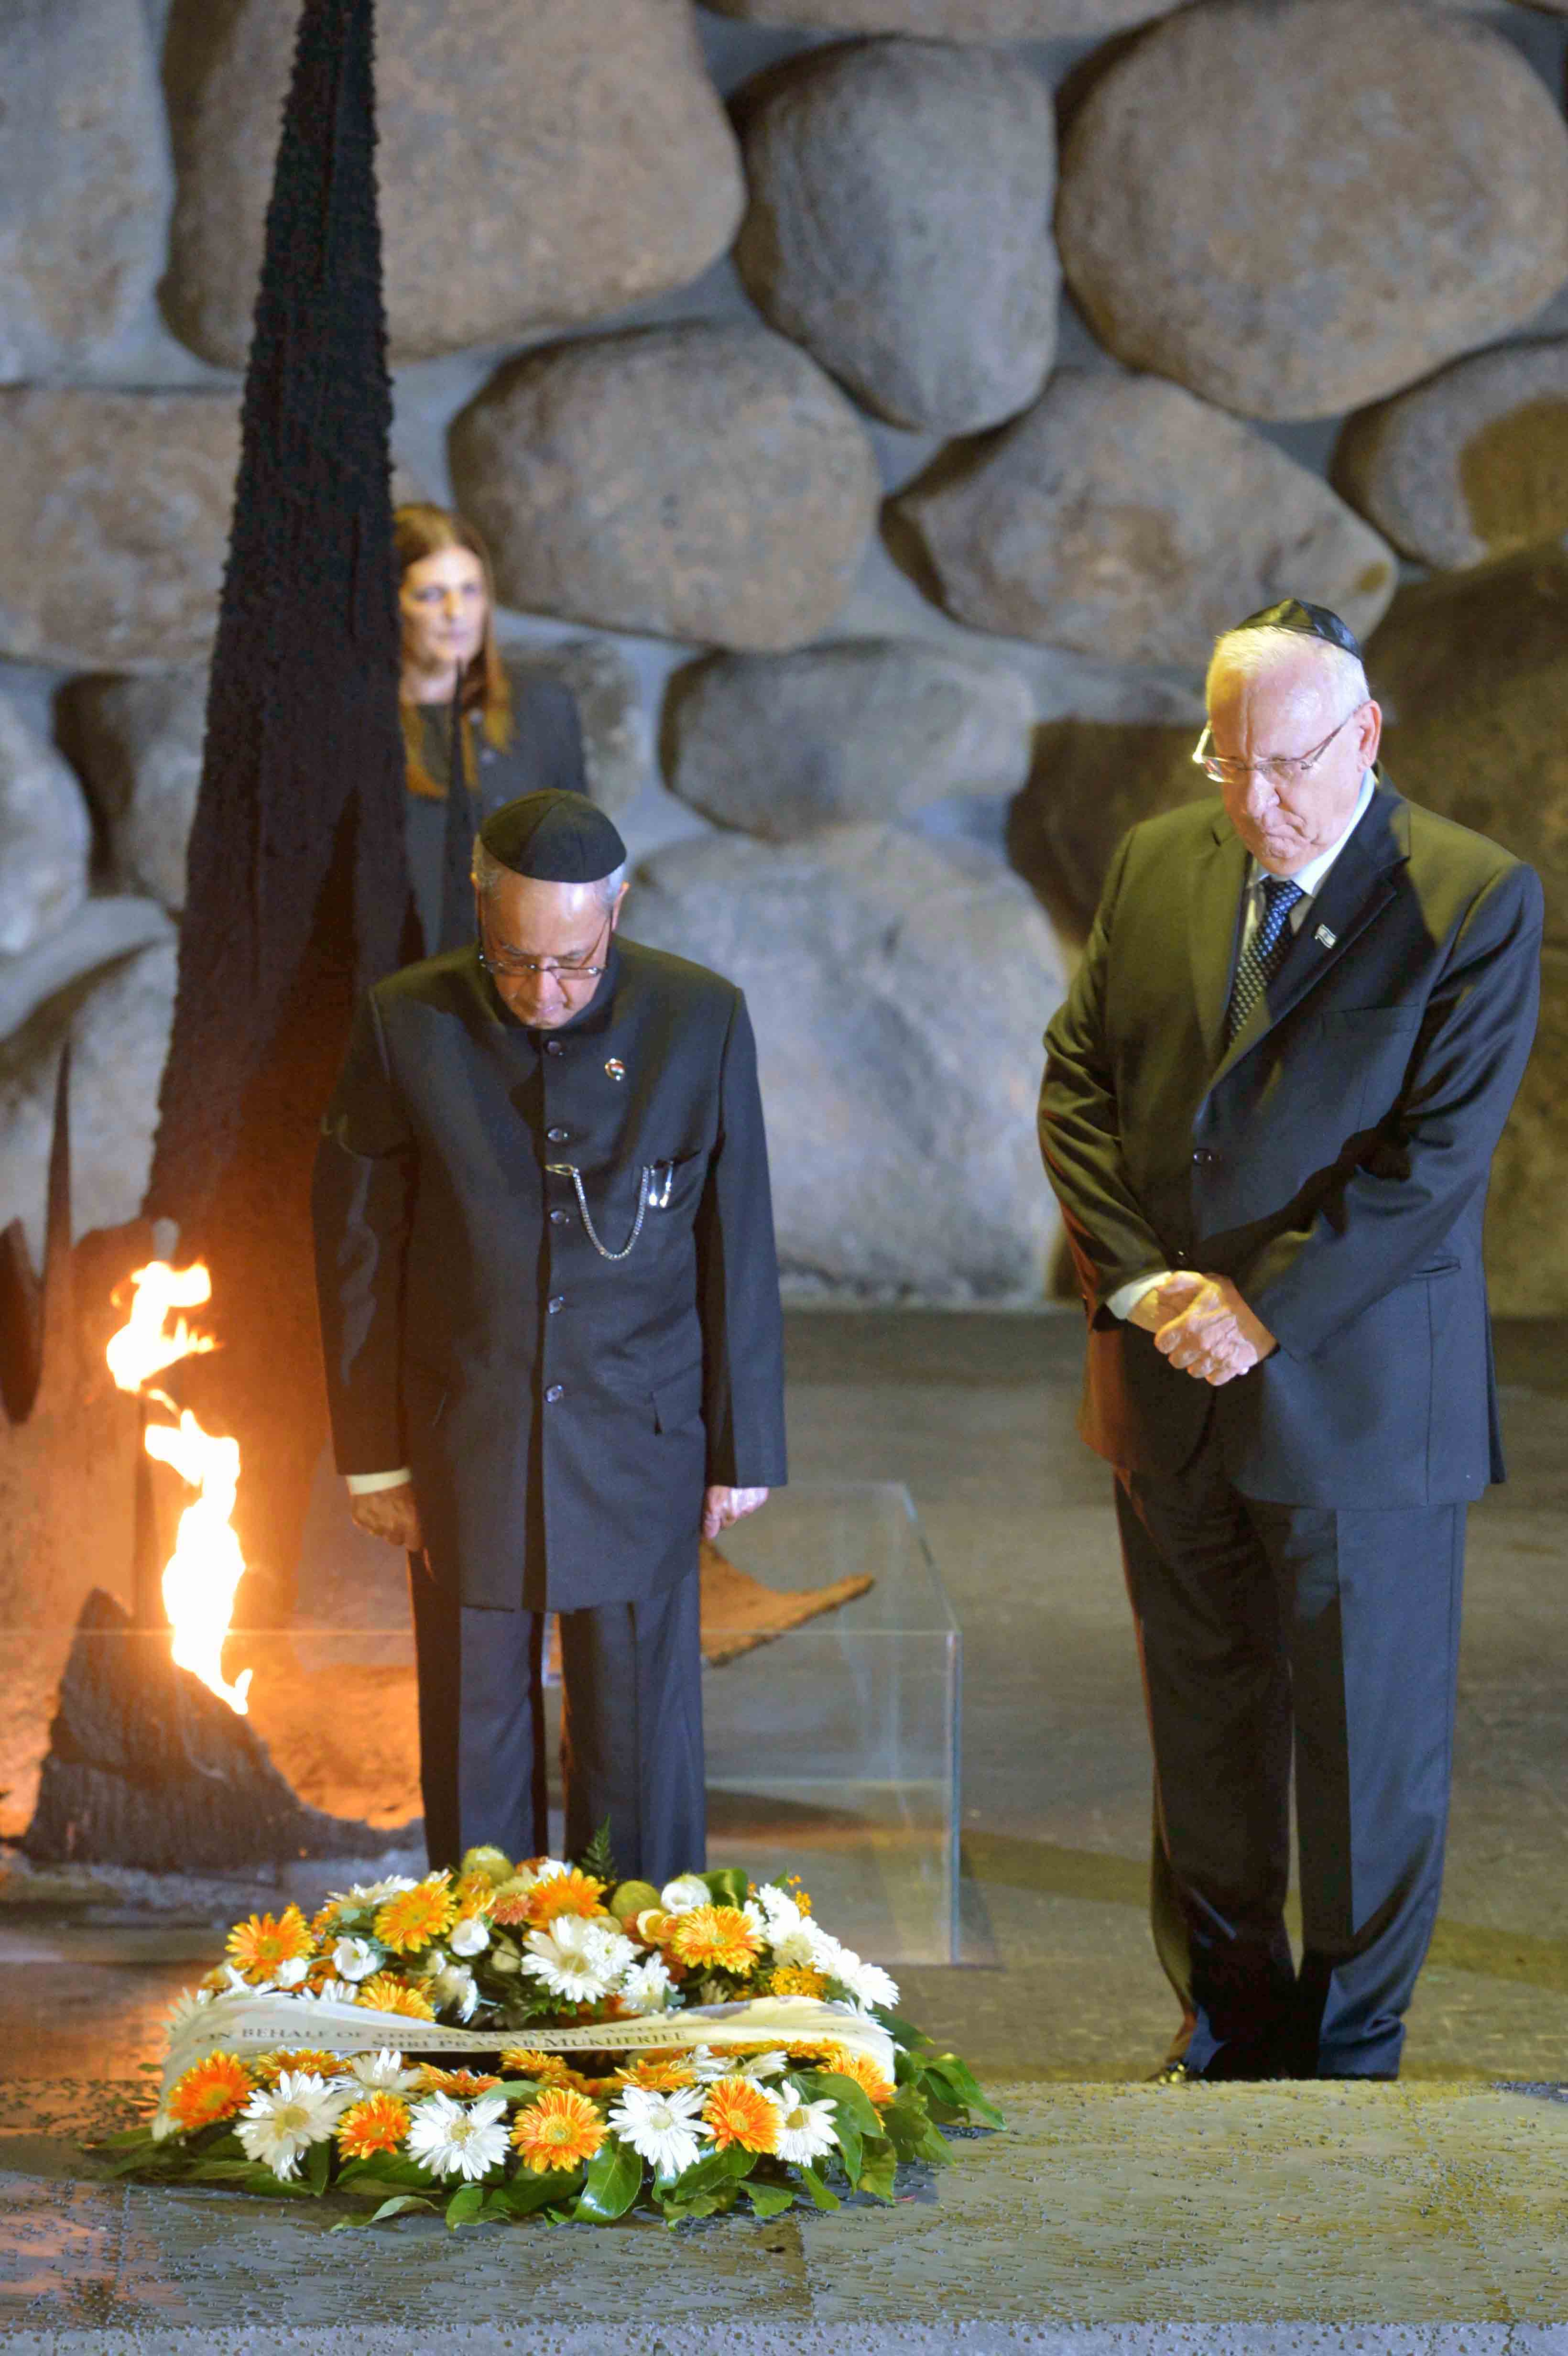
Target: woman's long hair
[419, 530]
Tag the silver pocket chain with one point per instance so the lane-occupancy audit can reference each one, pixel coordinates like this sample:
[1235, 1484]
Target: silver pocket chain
[647, 1193]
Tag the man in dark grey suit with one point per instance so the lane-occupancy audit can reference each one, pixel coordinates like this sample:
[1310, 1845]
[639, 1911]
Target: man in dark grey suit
[1270, 1105]
[550, 1313]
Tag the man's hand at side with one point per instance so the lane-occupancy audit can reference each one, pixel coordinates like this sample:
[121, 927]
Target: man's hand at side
[1214, 1338]
[723, 1506]
[390, 1513]
[1175, 1291]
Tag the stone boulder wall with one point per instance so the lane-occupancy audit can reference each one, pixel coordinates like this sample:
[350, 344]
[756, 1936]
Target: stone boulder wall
[138, 743]
[952, 20]
[541, 163]
[1300, 208]
[118, 1018]
[900, 225]
[84, 181]
[897, 999]
[1472, 464]
[1123, 517]
[617, 748]
[1472, 671]
[700, 482]
[1092, 779]
[121, 502]
[780, 745]
[46, 836]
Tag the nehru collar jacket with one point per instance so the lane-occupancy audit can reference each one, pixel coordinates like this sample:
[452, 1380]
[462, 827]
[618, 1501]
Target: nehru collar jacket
[562, 1411]
[1332, 1159]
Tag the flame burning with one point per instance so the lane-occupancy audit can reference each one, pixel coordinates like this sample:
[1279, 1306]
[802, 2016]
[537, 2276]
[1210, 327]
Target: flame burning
[202, 1574]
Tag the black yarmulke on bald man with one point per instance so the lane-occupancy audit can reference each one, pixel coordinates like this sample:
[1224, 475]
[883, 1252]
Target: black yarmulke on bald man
[554, 838]
[1306, 621]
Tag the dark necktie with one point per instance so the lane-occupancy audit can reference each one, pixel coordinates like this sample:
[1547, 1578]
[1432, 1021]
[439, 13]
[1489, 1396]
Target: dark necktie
[1265, 953]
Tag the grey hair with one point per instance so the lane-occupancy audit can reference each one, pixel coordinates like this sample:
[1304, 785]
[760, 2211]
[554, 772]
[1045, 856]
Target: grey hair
[487, 871]
[1252, 650]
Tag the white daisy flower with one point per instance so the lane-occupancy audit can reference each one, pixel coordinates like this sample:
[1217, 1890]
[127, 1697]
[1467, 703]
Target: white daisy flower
[469, 1937]
[579, 1959]
[291, 1971]
[646, 1987]
[373, 1893]
[382, 2074]
[867, 1982]
[454, 1989]
[712, 1992]
[186, 2005]
[452, 2139]
[765, 2065]
[332, 1991]
[685, 1892]
[663, 2129]
[356, 1959]
[239, 1985]
[793, 1944]
[755, 1917]
[276, 2128]
[705, 2065]
[826, 1955]
[163, 2123]
[806, 2130]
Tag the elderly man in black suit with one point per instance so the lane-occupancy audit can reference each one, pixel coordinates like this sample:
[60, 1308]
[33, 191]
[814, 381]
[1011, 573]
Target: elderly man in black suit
[1270, 1105]
[550, 1313]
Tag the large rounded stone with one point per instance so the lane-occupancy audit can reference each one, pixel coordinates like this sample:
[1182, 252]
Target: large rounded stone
[1121, 516]
[84, 180]
[1527, 1236]
[115, 507]
[1298, 208]
[138, 743]
[540, 162]
[617, 742]
[118, 1020]
[898, 1001]
[694, 482]
[46, 837]
[900, 225]
[780, 745]
[1472, 671]
[952, 20]
[1472, 464]
[1092, 781]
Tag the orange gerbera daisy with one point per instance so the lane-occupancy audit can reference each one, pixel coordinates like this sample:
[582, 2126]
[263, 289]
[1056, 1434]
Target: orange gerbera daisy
[716, 1938]
[452, 2082]
[564, 1893]
[382, 1993]
[259, 1947]
[560, 2130]
[416, 1918]
[271, 2066]
[378, 2123]
[740, 2113]
[209, 2090]
[863, 2070]
[796, 1979]
[659, 2073]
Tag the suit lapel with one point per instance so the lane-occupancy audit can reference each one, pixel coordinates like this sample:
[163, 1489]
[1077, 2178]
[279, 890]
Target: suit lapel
[1355, 892]
[1213, 914]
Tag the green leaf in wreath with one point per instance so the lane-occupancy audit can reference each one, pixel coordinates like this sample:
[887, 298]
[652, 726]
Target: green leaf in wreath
[524, 2196]
[465, 2205]
[769, 2200]
[318, 2167]
[956, 2082]
[846, 2095]
[902, 2032]
[879, 2169]
[386, 2169]
[615, 2180]
[392, 2208]
[599, 1859]
[820, 2196]
[728, 1884]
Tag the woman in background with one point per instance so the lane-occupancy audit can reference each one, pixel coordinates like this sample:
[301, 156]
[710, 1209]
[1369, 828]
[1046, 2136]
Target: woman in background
[455, 702]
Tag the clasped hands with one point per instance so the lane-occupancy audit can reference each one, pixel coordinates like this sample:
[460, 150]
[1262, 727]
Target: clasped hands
[1203, 1326]
[392, 1513]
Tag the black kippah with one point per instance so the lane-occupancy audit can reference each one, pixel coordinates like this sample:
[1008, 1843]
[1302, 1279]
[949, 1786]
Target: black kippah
[1306, 621]
[554, 838]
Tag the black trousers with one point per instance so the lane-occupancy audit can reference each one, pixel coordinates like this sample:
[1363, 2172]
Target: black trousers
[631, 1728]
[1267, 1630]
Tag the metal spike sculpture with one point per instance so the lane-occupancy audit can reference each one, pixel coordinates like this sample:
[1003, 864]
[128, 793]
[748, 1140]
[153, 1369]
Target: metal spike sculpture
[296, 888]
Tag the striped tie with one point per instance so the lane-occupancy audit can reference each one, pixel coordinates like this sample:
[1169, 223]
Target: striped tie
[1265, 953]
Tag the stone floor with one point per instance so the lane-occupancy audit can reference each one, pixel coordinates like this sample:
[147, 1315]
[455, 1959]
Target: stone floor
[1422, 2218]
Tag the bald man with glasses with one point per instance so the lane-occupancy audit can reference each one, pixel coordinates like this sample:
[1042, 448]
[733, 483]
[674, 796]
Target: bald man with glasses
[1270, 1106]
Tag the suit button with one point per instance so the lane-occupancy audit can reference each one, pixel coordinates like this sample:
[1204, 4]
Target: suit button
[559, 1218]
[553, 1047]
[555, 1391]
[558, 1304]
[558, 1136]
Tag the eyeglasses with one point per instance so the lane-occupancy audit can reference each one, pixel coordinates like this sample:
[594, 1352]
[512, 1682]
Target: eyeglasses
[1279, 768]
[506, 969]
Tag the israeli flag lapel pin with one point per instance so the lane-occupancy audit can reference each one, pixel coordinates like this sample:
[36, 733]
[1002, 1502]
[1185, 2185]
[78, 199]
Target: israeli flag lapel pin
[1324, 938]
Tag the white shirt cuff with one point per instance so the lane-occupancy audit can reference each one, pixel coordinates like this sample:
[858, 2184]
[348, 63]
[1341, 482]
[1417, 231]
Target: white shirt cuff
[365, 1485]
[1126, 1297]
